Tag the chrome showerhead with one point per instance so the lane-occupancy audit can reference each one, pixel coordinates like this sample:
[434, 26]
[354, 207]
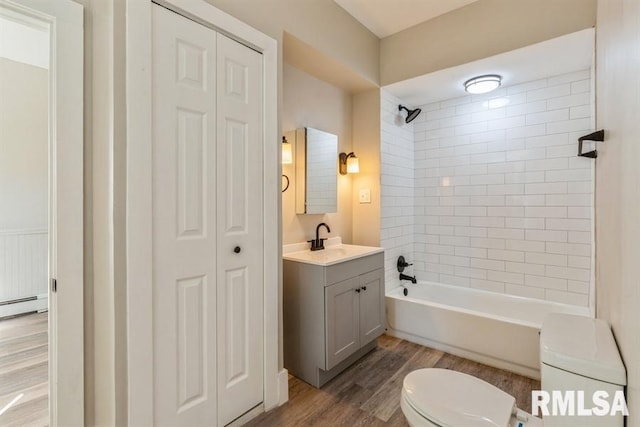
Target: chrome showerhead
[411, 114]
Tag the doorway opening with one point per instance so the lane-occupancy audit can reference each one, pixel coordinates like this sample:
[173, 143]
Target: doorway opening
[41, 194]
[24, 220]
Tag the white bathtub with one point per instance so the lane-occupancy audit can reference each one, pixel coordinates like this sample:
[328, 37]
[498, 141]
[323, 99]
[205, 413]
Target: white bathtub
[495, 329]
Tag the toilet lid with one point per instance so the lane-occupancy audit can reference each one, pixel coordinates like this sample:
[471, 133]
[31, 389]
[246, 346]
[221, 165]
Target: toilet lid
[450, 398]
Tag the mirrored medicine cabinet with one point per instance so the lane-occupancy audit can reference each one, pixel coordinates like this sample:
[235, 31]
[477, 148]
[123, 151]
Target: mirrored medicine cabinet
[316, 171]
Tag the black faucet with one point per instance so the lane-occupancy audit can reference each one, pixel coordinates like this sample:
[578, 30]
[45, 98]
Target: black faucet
[412, 279]
[318, 243]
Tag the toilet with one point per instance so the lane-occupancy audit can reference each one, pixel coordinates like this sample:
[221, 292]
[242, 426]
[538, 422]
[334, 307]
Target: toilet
[577, 353]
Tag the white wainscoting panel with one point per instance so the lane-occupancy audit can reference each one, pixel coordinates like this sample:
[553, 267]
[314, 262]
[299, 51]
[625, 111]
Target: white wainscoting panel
[23, 270]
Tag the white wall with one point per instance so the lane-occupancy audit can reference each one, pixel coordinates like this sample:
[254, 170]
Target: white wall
[618, 184]
[24, 136]
[397, 189]
[24, 168]
[310, 102]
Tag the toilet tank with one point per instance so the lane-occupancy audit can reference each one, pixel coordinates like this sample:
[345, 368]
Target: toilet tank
[579, 361]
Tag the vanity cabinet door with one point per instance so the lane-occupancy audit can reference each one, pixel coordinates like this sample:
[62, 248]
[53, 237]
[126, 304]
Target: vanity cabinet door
[342, 330]
[372, 319]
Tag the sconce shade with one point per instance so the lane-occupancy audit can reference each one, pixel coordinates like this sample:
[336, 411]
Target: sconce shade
[287, 152]
[349, 163]
[353, 165]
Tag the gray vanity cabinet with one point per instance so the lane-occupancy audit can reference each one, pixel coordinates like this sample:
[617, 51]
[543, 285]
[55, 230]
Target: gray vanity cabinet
[332, 315]
[354, 315]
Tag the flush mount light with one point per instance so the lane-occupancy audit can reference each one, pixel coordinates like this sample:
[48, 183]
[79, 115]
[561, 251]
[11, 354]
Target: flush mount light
[483, 84]
[349, 163]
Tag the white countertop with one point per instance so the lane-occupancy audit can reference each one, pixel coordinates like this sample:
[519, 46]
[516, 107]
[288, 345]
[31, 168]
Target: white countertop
[335, 252]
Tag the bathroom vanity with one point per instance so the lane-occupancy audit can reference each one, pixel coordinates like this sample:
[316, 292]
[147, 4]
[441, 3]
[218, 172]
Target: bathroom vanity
[333, 308]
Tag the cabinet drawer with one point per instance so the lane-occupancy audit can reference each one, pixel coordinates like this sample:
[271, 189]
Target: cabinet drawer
[346, 270]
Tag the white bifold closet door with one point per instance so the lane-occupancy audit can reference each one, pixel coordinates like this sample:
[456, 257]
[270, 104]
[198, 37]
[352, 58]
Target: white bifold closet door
[207, 224]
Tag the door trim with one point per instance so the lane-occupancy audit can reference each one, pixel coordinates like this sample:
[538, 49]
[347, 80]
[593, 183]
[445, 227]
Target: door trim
[139, 202]
[64, 19]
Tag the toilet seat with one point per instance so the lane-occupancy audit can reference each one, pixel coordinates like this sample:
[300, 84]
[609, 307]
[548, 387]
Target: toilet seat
[450, 398]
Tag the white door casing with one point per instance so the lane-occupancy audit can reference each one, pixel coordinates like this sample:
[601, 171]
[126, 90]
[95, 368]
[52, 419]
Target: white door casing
[240, 229]
[184, 220]
[64, 21]
[208, 247]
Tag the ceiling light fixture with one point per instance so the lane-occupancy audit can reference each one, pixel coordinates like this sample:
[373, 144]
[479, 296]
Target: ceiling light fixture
[483, 84]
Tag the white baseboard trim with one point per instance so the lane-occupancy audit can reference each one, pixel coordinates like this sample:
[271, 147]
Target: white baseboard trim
[283, 387]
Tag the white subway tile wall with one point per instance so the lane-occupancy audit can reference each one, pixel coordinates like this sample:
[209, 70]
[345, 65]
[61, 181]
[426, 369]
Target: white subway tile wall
[486, 191]
[502, 203]
[398, 206]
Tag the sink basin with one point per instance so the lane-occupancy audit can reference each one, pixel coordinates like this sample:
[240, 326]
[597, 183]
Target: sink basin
[335, 252]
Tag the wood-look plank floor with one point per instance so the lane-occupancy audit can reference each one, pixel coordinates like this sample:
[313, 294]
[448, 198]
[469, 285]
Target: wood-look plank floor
[24, 370]
[368, 392]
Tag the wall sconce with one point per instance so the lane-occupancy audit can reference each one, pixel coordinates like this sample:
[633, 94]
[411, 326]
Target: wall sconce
[349, 163]
[287, 152]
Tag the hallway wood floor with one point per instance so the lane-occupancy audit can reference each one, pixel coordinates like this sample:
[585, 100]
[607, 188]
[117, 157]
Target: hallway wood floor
[24, 370]
[368, 392]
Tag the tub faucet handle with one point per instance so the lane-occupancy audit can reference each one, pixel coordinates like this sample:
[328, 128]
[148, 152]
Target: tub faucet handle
[402, 264]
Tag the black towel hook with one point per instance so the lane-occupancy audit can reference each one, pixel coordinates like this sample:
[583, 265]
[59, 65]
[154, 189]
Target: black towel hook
[595, 136]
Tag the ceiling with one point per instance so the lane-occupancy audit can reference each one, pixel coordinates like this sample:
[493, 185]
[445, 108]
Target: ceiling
[565, 54]
[387, 17]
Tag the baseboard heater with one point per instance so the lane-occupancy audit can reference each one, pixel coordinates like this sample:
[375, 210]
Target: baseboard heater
[15, 301]
[32, 304]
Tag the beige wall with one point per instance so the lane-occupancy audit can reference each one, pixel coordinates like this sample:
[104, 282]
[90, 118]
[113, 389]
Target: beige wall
[479, 30]
[618, 184]
[366, 145]
[309, 102]
[320, 23]
[24, 137]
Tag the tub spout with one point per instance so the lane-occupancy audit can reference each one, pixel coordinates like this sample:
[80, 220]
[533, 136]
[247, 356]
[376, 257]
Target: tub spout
[412, 279]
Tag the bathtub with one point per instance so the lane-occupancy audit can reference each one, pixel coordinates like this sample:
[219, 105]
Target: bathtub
[495, 329]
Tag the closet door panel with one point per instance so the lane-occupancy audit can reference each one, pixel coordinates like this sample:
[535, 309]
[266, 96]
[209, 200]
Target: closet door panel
[184, 220]
[240, 229]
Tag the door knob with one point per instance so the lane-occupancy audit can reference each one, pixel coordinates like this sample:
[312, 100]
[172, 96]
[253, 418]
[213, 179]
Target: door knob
[364, 288]
[358, 290]
[237, 249]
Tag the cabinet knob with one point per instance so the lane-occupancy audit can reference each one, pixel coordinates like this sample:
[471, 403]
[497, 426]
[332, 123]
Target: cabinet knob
[358, 290]
[237, 249]
[364, 288]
